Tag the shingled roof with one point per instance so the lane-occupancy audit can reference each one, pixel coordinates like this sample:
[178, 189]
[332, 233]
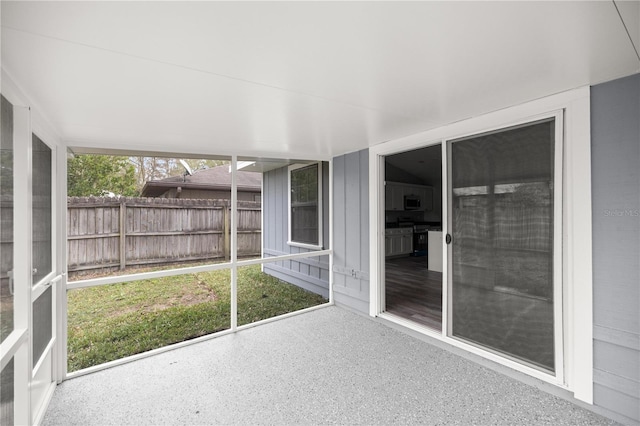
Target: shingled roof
[215, 178]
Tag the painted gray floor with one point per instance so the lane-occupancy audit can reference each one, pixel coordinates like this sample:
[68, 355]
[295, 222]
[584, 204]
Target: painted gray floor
[325, 366]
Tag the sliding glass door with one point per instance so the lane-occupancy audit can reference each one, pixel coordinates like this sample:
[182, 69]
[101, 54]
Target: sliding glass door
[502, 242]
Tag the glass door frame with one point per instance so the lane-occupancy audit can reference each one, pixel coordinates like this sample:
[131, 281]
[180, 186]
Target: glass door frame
[377, 290]
[575, 273]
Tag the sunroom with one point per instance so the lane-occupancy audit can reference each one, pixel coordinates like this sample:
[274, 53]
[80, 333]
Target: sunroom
[464, 173]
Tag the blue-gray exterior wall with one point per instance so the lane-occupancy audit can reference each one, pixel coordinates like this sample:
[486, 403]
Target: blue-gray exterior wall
[615, 145]
[311, 274]
[351, 230]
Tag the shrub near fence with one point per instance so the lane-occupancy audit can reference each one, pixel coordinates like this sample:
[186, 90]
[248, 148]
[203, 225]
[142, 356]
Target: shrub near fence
[114, 233]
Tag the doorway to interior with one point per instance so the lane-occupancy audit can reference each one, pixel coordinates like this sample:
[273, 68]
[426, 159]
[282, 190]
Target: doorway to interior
[413, 235]
[502, 287]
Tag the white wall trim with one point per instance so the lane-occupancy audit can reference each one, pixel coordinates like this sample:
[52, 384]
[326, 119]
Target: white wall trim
[577, 267]
[578, 264]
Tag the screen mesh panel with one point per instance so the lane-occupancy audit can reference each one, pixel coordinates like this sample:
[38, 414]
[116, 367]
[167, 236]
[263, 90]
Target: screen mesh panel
[502, 228]
[6, 220]
[42, 326]
[6, 394]
[41, 222]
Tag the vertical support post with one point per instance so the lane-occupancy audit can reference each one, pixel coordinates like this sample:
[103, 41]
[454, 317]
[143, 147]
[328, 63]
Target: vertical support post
[227, 231]
[331, 300]
[123, 235]
[234, 244]
[60, 365]
[22, 190]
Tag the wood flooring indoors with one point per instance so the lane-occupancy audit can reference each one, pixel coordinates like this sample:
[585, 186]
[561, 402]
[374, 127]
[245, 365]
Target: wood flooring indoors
[414, 292]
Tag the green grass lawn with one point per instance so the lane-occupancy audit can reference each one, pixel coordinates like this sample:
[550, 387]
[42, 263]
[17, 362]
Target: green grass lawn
[114, 321]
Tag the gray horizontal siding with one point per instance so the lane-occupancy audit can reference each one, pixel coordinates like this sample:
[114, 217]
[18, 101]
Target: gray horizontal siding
[616, 401]
[615, 144]
[351, 230]
[311, 274]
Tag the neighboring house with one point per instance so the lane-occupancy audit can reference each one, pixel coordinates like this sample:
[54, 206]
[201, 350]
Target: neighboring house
[530, 101]
[207, 184]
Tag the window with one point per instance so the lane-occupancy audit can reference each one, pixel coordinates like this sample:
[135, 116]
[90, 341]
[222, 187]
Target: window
[305, 205]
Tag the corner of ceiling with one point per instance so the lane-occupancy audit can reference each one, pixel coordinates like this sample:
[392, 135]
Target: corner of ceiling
[629, 12]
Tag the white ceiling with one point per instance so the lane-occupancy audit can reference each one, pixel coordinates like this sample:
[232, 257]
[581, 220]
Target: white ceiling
[300, 79]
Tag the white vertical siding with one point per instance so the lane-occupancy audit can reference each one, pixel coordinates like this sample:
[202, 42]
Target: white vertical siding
[351, 230]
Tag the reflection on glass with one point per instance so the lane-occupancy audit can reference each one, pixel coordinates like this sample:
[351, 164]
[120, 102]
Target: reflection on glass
[41, 221]
[502, 223]
[6, 220]
[114, 321]
[262, 295]
[6, 394]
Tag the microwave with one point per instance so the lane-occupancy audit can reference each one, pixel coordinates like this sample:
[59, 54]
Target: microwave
[411, 202]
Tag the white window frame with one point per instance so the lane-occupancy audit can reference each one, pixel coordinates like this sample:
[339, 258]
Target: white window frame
[290, 241]
[577, 308]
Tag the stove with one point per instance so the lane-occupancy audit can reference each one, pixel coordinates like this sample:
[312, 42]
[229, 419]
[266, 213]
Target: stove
[420, 235]
[420, 240]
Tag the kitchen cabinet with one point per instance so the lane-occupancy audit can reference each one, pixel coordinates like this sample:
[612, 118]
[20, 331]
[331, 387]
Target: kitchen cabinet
[398, 241]
[394, 196]
[427, 198]
[395, 192]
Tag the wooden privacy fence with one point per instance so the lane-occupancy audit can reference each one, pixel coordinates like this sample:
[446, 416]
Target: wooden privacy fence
[114, 233]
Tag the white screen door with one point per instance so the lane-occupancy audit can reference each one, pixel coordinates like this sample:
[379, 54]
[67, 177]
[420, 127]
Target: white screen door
[27, 269]
[13, 333]
[44, 274]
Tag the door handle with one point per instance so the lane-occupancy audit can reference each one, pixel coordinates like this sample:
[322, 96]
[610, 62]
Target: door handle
[56, 279]
[448, 239]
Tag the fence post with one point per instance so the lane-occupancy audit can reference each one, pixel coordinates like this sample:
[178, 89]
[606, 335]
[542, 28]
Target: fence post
[227, 232]
[123, 234]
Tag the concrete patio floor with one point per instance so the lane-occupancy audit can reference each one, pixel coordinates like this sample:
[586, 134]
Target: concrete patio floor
[327, 366]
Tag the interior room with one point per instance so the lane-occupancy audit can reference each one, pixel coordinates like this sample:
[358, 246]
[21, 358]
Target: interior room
[413, 235]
